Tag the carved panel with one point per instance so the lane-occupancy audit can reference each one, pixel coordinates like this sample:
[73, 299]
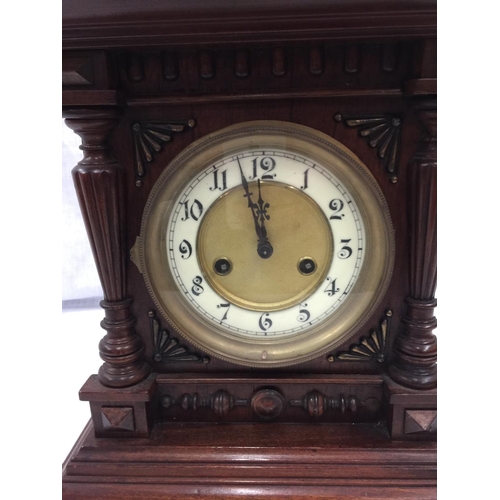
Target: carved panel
[85, 72]
[420, 421]
[118, 418]
[77, 71]
[369, 348]
[382, 133]
[317, 70]
[167, 348]
[149, 139]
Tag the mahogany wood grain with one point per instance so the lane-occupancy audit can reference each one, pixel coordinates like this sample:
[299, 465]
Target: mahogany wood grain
[416, 348]
[99, 183]
[239, 461]
[211, 65]
[97, 24]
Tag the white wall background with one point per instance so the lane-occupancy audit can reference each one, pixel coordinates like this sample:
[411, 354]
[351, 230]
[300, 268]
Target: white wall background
[79, 274]
[81, 293]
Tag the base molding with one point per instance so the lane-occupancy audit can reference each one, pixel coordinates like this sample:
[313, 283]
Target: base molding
[292, 461]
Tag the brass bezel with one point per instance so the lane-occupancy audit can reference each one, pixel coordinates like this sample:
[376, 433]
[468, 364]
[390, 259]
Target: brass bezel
[345, 321]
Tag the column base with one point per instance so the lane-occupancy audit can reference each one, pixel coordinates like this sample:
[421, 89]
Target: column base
[120, 413]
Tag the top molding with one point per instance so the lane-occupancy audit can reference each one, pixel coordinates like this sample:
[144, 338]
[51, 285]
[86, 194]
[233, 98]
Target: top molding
[98, 24]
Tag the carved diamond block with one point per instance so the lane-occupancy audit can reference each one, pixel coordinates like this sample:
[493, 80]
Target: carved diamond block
[420, 421]
[117, 418]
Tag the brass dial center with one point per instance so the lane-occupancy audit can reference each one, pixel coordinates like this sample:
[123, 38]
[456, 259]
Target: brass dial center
[298, 231]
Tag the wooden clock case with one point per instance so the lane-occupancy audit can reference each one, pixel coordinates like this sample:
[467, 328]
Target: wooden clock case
[142, 81]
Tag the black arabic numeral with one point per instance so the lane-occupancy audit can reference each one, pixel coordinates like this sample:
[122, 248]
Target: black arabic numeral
[185, 248]
[197, 289]
[216, 181]
[331, 288]
[345, 252]
[227, 305]
[195, 211]
[304, 314]
[305, 186]
[267, 164]
[336, 205]
[264, 322]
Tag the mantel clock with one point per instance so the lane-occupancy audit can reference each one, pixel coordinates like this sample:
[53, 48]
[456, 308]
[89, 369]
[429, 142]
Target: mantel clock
[266, 244]
[259, 189]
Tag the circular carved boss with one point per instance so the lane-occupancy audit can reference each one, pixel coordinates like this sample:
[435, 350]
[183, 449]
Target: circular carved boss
[268, 404]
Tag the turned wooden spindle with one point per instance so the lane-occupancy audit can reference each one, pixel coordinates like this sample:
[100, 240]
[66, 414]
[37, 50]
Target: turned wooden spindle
[220, 402]
[99, 183]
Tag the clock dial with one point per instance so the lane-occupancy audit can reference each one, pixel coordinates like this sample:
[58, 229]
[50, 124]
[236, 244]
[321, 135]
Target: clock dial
[266, 244]
[301, 282]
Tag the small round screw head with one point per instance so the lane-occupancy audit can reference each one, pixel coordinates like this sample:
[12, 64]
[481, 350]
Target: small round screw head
[330, 358]
[138, 183]
[151, 314]
[206, 360]
[394, 179]
[388, 313]
[223, 266]
[306, 266]
[396, 122]
[191, 123]
[264, 355]
[136, 127]
[338, 117]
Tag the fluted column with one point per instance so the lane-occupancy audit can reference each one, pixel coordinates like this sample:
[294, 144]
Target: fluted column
[416, 348]
[99, 183]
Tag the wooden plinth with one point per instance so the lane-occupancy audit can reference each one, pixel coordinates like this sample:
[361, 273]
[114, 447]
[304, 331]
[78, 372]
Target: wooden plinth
[243, 461]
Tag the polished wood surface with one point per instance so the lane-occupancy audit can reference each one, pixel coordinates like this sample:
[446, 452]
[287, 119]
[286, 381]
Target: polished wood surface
[244, 461]
[141, 82]
[97, 24]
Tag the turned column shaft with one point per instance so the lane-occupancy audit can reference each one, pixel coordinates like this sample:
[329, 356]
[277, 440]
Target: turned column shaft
[416, 348]
[99, 183]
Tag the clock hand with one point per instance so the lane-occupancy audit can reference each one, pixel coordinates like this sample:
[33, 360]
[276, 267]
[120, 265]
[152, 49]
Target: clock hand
[251, 205]
[264, 248]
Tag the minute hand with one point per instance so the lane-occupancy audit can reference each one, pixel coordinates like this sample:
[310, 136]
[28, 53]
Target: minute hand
[264, 248]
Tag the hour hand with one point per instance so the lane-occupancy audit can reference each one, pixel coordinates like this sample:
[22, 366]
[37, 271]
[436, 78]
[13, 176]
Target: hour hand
[259, 214]
[264, 248]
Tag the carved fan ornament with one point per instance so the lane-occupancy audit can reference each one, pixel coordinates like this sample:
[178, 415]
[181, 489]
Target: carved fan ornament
[382, 133]
[149, 139]
[370, 348]
[166, 348]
